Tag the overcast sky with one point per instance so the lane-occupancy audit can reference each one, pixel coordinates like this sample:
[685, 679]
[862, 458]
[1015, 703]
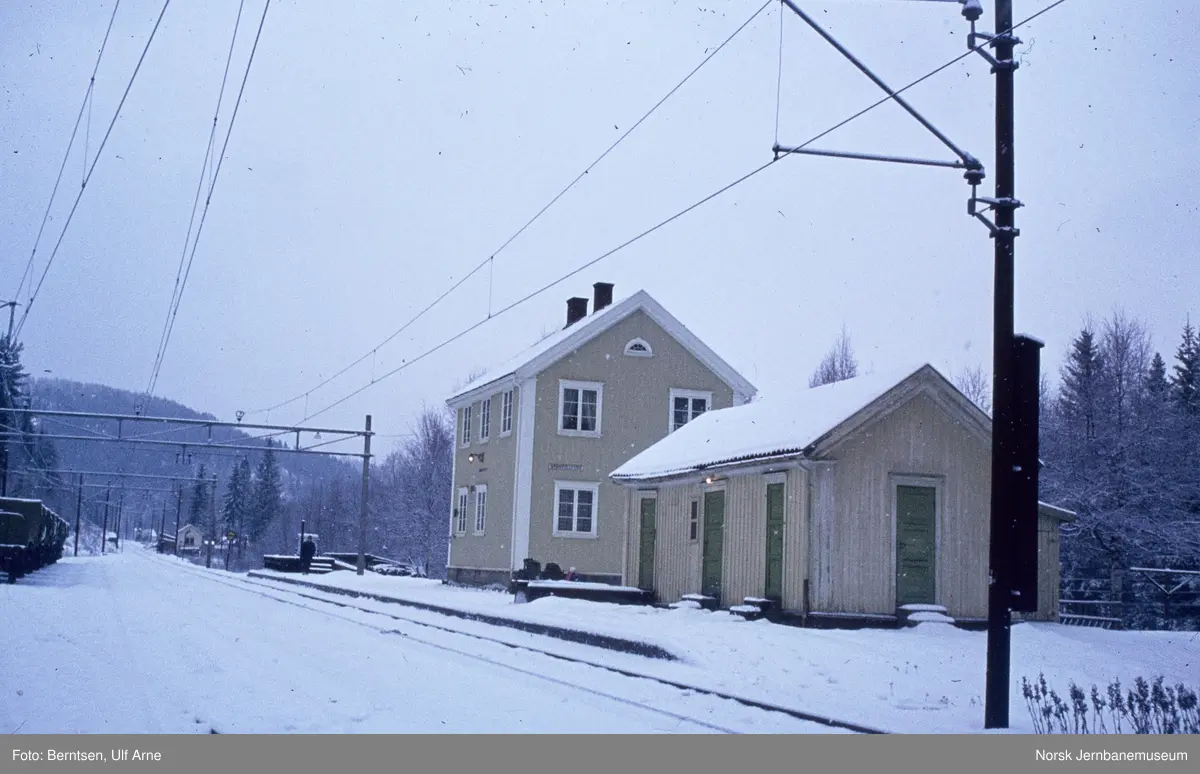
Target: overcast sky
[384, 149]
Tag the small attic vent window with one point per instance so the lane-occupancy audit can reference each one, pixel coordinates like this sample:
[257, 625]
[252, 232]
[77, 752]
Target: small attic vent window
[638, 348]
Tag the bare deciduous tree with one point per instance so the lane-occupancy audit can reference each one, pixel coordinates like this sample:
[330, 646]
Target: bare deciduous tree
[837, 365]
[976, 384]
[413, 492]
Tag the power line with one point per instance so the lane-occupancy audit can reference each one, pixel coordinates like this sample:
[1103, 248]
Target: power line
[488, 261]
[208, 201]
[549, 285]
[923, 78]
[37, 289]
[87, 101]
[672, 218]
[180, 282]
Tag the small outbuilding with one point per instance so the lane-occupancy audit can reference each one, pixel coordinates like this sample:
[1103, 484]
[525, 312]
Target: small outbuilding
[845, 501]
[191, 538]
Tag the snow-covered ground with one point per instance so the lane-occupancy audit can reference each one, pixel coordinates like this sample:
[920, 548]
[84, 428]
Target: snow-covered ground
[928, 679]
[137, 643]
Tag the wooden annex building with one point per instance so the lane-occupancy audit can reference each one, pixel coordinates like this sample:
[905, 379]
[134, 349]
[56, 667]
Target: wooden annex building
[845, 501]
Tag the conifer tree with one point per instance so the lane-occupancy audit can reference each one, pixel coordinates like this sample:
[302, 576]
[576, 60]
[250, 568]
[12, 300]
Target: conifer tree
[1185, 381]
[237, 497]
[267, 498]
[198, 508]
[1081, 384]
[1156, 378]
[12, 390]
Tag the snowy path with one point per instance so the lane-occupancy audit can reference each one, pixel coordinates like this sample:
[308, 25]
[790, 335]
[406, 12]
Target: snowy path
[138, 643]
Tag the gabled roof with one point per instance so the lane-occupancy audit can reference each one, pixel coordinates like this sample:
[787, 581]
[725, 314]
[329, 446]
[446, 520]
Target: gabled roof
[791, 425]
[563, 342]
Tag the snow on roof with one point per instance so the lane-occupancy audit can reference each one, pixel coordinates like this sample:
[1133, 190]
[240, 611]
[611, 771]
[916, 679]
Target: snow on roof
[595, 323]
[1062, 514]
[510, 366]
[773, 426]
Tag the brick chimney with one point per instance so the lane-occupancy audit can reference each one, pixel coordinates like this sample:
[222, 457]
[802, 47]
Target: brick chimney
[576, 310]
[603, 292]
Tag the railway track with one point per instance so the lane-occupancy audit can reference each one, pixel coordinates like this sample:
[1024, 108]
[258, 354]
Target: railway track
[410, 628]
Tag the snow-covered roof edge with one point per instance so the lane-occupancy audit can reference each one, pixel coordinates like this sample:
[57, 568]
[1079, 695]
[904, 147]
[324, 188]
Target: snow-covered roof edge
[869, 400]
[866, 413]
[1062, 514]
[561, 343]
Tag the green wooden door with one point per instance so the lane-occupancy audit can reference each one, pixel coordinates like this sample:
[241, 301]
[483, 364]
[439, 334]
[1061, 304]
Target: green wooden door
[774, 587]
[916, 544]
[714, 544]
[646, 545]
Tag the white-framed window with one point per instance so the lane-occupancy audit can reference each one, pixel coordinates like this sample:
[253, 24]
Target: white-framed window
[579, 408]
[686, 405]
[694, 520]
[506, 412]
[639, 348]
[466, 426]
[575, 505]
[460, 515]
[485, 420]
[480, 508]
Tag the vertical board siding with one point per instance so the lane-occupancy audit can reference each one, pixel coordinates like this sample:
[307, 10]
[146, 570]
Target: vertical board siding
[822, 550]
[839, 523]
[1048, 569]
[744, 561]
[795, 539]
[855, 553]
[676, 558]
[744, 573]
[673, 543]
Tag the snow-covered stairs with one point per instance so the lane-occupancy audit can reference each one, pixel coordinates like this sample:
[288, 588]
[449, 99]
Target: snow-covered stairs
[752, 608]
[911, 615]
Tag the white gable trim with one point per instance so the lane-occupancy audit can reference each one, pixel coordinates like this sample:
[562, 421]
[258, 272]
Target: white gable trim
[482, 392]
[591, 327]
[701, 351]
[925, 381]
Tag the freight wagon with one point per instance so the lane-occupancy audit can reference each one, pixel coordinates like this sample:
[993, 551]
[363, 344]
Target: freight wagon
[31, 536]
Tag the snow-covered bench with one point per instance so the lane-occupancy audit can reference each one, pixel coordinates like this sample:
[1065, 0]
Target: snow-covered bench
[284, 563]
[594, 592]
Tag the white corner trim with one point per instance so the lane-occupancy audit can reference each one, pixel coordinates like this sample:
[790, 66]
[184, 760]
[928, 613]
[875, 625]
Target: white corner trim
[567, 384]
[453, 503]
[594, 488]
[525, 398]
